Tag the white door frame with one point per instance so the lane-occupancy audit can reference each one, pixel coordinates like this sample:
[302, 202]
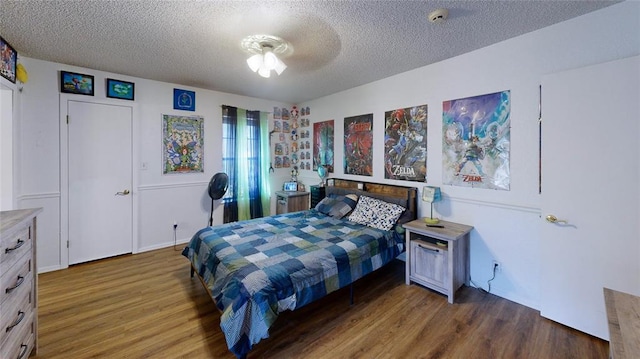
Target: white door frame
[64, 170]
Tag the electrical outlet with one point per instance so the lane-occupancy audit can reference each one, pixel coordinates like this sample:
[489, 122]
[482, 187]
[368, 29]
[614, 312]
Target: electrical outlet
[497, 266]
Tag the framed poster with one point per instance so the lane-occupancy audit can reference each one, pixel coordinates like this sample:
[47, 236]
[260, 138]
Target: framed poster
[80, 84]
[322, 145]
[358, 139]
[184, 100]
[8, 60]
[120, 89]
[405, 144]
[182, 144]
[476, 141]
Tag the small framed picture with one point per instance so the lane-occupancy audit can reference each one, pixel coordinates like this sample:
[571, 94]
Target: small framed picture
[184, 100]
[9, 61]
[80, 84]
[120, 89]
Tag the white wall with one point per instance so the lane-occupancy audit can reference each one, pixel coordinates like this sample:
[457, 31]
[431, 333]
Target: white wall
[160, 199]
[506, 222]
[6, 147]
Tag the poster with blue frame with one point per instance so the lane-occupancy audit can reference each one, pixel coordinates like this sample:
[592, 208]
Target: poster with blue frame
[184, 100]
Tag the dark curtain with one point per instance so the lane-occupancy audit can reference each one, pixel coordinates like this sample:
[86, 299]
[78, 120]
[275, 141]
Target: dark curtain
[231, 162]
[230, 120]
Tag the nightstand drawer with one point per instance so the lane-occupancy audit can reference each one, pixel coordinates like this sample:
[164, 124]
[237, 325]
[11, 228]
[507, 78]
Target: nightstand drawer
[429, 264]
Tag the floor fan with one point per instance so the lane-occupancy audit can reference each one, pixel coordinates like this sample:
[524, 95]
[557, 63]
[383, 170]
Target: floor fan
[217, 188]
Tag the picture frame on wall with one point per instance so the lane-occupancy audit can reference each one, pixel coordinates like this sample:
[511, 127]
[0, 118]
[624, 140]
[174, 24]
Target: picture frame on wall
[75, 83]
[120, 89]
[9, 60]
[184, 100]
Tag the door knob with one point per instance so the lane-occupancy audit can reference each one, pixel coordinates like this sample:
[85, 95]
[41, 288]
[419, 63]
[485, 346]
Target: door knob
[123, 193]
[553, 219]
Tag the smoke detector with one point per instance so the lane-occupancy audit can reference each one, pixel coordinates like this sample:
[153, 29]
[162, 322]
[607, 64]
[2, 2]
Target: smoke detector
[438, 16]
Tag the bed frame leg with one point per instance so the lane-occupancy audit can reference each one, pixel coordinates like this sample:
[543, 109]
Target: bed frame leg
[351, 294]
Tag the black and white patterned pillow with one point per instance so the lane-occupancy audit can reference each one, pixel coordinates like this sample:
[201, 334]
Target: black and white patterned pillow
[376, 213]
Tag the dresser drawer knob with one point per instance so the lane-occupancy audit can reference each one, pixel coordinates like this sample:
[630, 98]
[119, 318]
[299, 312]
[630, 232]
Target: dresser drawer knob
[18, 283]
[18, 320]
[18, 245]
[23, 351]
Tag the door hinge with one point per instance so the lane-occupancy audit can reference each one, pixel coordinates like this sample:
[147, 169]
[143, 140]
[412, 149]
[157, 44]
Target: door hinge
[67, 119]
[67, 243]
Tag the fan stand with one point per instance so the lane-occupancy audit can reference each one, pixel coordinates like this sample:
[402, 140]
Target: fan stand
[211, 215]
[218, 186]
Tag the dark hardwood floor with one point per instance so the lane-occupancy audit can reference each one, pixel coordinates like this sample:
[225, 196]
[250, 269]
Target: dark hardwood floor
[147, 306]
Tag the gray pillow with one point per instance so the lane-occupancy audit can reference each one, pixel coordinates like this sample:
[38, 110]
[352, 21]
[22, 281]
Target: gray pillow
[336, 207]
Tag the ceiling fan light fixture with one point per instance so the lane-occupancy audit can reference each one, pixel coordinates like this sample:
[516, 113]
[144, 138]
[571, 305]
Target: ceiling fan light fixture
[265, 50]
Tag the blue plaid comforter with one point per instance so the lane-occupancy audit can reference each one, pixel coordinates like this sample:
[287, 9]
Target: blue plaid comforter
[258, 268]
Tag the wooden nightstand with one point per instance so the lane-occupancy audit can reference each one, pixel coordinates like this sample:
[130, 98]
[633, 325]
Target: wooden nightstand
[291, 201]
[437, 258]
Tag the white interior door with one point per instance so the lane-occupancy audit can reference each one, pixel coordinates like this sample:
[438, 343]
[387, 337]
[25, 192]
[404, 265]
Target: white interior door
[591, 179]
[100, 180]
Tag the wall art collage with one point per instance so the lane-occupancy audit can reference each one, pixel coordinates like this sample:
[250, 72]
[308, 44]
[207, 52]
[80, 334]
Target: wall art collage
[292, 131]
[475, 142]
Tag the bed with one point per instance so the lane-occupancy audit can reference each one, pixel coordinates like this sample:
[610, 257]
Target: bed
[258, 268]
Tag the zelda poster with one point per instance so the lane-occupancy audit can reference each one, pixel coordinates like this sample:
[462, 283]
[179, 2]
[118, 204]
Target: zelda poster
[323, 145]
[358, 140]
[183, 144]
[476, 141]
[405, 144]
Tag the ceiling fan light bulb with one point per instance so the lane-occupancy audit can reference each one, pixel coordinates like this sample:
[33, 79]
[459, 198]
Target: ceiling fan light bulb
[255, 62]
[264, 72]
[279, 67]
[270, 60]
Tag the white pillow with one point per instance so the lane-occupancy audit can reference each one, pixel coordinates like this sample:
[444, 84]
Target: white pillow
[376, 213]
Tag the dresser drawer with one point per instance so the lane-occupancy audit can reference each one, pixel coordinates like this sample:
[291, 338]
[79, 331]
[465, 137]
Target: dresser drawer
[21, 342]
[16, 311]
[14, 247]
[16, 278]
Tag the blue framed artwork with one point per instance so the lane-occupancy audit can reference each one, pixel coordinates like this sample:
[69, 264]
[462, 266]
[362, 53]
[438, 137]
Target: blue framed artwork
[184, 100]
[120, 89]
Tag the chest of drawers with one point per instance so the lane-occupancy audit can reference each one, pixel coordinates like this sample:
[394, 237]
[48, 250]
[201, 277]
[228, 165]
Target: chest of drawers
[18, 284]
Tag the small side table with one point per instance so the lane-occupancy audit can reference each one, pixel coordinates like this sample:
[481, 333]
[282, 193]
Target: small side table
[291, 201]
[438, 258]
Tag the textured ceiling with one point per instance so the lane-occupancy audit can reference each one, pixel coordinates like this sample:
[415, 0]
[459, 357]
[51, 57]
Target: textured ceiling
[337, 44]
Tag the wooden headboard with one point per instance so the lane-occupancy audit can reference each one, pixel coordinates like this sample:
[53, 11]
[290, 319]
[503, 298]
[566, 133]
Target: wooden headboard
[407, 196]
